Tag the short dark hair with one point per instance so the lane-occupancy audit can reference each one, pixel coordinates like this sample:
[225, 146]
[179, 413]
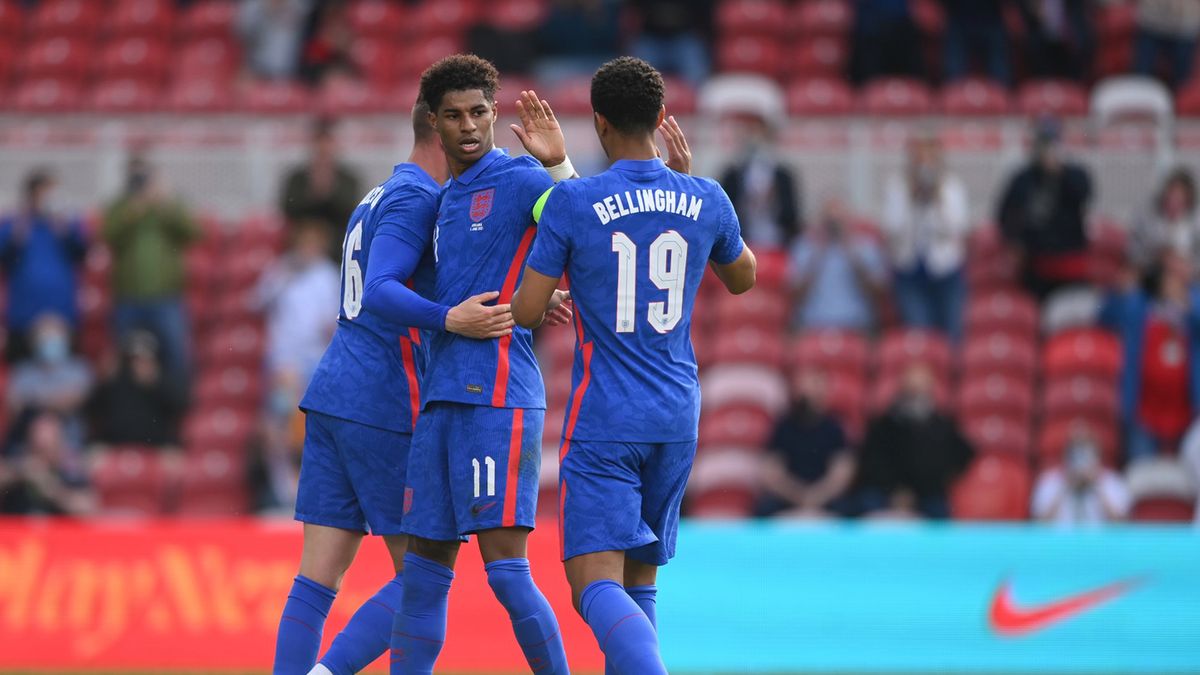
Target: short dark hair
[629, 93]
[459, 72]
[37, 179]
[422, 129]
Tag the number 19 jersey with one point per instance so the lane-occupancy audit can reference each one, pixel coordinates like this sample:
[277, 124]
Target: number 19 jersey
[634, 242]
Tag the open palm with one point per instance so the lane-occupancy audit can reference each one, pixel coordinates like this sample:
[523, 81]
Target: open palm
[539, 131]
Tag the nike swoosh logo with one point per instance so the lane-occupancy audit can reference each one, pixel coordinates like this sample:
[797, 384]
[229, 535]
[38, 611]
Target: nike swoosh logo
[1006, 618]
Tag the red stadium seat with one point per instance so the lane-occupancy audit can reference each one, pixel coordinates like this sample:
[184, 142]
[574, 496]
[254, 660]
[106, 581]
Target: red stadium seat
[1163, 509]
[207, 58]
[974, 97]
[65, 17]
[427, 49]
[996, 394]
[820, 96]
[819, 57]
[1115, 21]
[133, 58]
[989, 265]
[997, 434]
[723, 483]
[130, 480]
[896, 96]
[233, 386]
[746, 344]
[1010, 313]
[12, 20]
[47, 95]
[377, 18]
[151, 18]
[1080, 397]
[750, 55]
[225, 429]
[822, 17]
[846, 399]
[239, 345]
[214, 485]
[571, 97]
[444, 17]
[999, 354]
[833, 351]
[201, 95]
[276, 97]
[1054, 436]
[885, 389]
[1187, 100]
[1054, 97]
[261, 231]
[123, 95]
[1088, 351]
[208, 18]
[740, 425]
[339, 97]
[751, 17]
[516, 15]
[681, 97]
[756, 385]
[57, 57]
[900, 348]
[759, 307]
[723, 502]
[243, 268]
[929, 16]
[994, 488]
[9, 56]
[377, 59]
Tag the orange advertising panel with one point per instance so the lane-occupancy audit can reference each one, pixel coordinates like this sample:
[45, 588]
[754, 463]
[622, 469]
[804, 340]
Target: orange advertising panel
[208, 595]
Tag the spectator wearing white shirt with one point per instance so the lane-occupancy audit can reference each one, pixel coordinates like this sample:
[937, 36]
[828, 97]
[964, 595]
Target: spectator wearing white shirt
[838, 277]
[926, 222]
[1170, 225]
[1082, 492]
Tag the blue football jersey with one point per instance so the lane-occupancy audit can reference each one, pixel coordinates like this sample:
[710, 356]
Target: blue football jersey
[371, 371]
[634, 242]
[484, 229]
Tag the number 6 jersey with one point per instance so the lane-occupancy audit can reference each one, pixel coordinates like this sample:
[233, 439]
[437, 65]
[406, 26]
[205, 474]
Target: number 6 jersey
[634, 242]
[370, 372]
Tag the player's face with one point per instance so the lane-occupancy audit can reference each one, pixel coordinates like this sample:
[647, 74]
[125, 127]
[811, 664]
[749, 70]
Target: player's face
[464, 122]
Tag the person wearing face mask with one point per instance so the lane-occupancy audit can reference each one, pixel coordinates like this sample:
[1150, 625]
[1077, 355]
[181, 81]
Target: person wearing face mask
[762, 188]
[912, 454]
[1170, 224]
[808, 465]
[1042, 214]
[926, 222]
[41, 249]
[1082, 491]
[51, 380]
[1158, 321]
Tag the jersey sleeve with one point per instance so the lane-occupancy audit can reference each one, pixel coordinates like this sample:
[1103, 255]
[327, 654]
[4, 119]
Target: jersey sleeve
[408, 214]
[728, 244]
[535, 181]
[401, 237]
[551, 245]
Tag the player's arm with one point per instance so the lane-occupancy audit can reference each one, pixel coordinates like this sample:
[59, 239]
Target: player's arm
[731, 259]
[738, 276]
[537, 296]
[538, 299]
[542, 136]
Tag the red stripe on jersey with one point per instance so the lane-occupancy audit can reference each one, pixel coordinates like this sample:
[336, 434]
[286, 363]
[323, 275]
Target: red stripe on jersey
[410, 371]
[514, 463]
[577, 400]
[500, 390]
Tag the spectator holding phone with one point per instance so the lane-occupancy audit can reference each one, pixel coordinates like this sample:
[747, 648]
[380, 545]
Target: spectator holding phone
[1082, 491]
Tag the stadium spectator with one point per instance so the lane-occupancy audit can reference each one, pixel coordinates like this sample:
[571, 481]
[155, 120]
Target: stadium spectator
[675, 37]
[1166, 29]
[327, 43]
[148, 232]
[808, 466]
[838, 277]
[1171, 224]
[1059, 38]
[1082, 491]
[51, 380]
[762, 188]
[272, 33]
[46, 475]
[912, 454]
[576, 38]
[136, 404]
[1159, 324]
[40, 250]
[885, 40]
[323, 189]
[926, 221]
[1042, 213]
[976, 29]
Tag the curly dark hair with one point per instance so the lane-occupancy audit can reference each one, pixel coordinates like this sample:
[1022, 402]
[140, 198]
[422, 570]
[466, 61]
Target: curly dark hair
[460, 72]
[629, 93]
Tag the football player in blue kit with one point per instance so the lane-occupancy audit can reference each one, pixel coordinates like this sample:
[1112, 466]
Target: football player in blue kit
[634, 242]
[361, 407]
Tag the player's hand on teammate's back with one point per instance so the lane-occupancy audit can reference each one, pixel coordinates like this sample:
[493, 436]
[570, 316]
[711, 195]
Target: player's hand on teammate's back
[539, 131]
[474, 319]
[558, 312]
[679, 153]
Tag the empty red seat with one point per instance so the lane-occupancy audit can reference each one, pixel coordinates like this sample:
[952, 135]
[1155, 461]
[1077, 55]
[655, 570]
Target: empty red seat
[12, 19]
[740, 425]
[722, 502]
[339, 97]
[1054, 97]
[1115, 21]
[744, 384]
[208, 18]
[900, 348]
[1001, 312]
[225, 429]
[214, 485]
[130, 480]
[819, 96]
[123, 95]
[201, 95]
[234, 386]
[238, 345]
[999, 354]
[822, 17]
[516, 15]
[833, 351]
[996, 394]
[751, 17]
[444, 17]
[1081, 397]
[261, 231]
[680, 98]
[758, 307]
[377, 18]
[133, 58]
[427, 49]
[974, 97]
[819, 57]
[1056, 435]
[997, 434]
[9, 56]
[275, 97]
[896, 96]
[994, 488]
[58, 56]
[750, 55]
[206, 58]
[243, 268]
[1163, 509]
[1087, 351]
[1187, 101]
[377, 59]
[65, 17]
[47, 95]
[153, 18]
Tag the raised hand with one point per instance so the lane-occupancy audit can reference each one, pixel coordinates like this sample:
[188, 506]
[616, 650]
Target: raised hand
[558, 312]
[679, 154]
[539, 131]
[472, 318]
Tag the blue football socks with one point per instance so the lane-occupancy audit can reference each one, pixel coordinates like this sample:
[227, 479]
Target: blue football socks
[532, 617]
[419, 629]
[300, 627]
[623, 631]
[368, 633]
[646, 597]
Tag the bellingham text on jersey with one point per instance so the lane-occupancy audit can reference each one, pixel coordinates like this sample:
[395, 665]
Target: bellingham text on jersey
[644, 201]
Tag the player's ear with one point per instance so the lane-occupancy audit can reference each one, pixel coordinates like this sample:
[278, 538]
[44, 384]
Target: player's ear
[662, 115]
[600, 123]
[432, 116]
